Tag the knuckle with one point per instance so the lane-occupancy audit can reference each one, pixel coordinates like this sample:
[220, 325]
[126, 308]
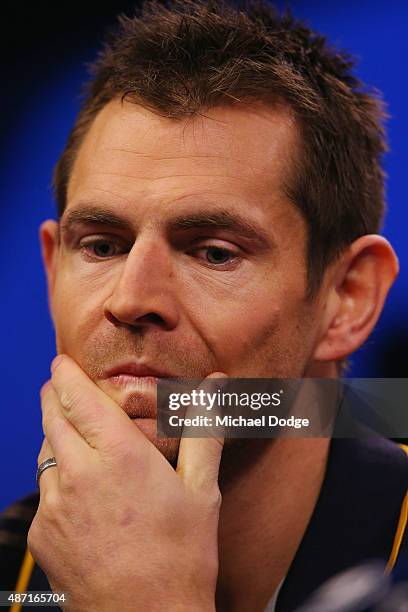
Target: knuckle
[50, 506]
[69, 480]
[214, 498]
[209, 499]
[69, 396]
[44, 452]
[47, 420]
[34, 537]
[79, 403]
[72, 479]
[217, 498]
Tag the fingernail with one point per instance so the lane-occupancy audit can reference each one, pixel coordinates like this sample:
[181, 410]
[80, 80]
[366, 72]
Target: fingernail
[55, 362]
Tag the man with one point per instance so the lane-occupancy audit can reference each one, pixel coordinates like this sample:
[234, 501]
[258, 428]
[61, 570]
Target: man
[219, 202]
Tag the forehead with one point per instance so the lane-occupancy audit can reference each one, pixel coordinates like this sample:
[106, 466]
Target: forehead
[132, 156]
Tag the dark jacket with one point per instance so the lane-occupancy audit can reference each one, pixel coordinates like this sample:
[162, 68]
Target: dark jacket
[359, 516]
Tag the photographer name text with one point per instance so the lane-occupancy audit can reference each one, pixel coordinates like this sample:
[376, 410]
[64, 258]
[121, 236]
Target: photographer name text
[239, 421]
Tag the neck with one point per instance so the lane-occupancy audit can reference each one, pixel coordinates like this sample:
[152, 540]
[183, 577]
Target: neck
[269, 489]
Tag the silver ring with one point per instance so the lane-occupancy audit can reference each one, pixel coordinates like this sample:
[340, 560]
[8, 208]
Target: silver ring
[44, 466]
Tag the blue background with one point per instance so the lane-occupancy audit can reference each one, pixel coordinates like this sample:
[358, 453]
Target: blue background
[43, 71]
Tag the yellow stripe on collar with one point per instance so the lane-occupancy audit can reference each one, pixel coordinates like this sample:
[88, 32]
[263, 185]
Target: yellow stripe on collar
[402, 524]
[24, 578]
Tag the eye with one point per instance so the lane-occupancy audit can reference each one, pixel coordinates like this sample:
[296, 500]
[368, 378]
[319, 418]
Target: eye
[102, 248]
[218, 255]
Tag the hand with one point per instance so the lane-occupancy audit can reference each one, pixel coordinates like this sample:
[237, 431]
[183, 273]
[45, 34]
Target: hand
[117, 528]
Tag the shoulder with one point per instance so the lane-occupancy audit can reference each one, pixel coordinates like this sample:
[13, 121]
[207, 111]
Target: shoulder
[372, 470]
[359, 515]
[363, 494]
[370, 477]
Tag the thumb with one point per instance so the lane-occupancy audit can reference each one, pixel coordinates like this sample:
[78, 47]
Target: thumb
[199, 458]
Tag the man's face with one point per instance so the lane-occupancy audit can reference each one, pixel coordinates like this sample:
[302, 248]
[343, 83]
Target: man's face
[180, 253]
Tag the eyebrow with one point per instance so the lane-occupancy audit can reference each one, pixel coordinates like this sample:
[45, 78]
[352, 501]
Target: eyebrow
[92, 215]
[223, 219]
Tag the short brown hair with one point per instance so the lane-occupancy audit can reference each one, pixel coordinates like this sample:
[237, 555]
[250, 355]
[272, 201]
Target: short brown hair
[184, 56]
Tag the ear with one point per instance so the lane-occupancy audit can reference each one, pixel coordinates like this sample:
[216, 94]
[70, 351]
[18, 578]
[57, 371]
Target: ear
[358, 286]
[49, 240]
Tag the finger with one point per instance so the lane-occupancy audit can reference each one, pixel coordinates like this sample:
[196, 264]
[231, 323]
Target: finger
[199, 458]
[67, 443]
[97, 418]
[48, 479]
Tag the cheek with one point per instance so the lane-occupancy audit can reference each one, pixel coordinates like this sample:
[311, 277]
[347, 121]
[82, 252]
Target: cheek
[236, 330]
[261, 337]
[77, 309]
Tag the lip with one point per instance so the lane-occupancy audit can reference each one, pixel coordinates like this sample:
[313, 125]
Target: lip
[131, 379]
[138, 381]
[138, 370]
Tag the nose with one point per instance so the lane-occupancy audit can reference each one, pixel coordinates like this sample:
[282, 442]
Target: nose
[144, 294]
